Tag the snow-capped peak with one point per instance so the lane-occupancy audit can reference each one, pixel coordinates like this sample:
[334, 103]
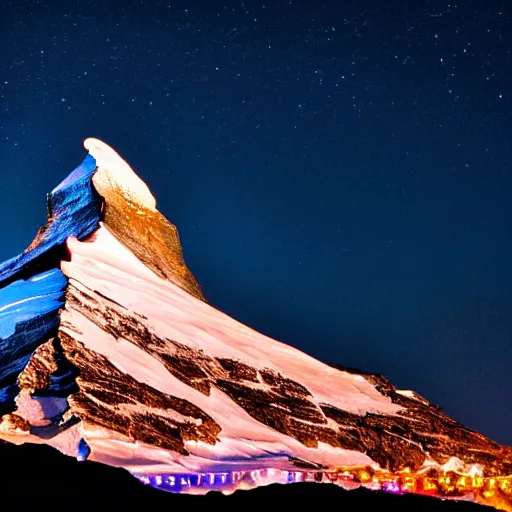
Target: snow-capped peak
[114, 172]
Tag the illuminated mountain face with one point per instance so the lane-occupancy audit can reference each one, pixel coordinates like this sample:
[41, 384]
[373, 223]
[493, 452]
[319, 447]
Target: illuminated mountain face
[109, 352]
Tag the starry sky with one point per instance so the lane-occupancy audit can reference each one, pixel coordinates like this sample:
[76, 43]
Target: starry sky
[340, 171]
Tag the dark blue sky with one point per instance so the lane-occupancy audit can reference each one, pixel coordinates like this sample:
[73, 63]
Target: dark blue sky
[340, 172]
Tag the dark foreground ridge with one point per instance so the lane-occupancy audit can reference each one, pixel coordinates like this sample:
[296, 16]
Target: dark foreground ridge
[41, 476]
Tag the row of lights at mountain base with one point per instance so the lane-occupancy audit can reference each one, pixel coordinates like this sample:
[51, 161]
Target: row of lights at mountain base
[438, 483]
[433, 483]
[220, 480]
[487, 490]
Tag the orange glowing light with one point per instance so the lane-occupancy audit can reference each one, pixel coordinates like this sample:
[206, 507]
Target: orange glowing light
[364, 476]
[478, 481]
[493, 491]
[429, 484]
[409, 484]
[462, 483]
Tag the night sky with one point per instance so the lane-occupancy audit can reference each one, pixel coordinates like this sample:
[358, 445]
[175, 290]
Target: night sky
[340, 172]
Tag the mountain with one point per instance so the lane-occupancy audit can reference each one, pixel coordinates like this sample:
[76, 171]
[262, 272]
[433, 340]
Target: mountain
[110, 353]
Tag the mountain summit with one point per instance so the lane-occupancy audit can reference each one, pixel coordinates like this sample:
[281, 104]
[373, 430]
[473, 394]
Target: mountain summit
[109, 352]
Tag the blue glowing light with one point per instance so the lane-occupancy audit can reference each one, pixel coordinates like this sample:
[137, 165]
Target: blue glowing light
[221, 481]
[83, 450]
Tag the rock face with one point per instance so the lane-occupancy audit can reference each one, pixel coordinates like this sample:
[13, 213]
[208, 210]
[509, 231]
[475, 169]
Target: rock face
[110, 352]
